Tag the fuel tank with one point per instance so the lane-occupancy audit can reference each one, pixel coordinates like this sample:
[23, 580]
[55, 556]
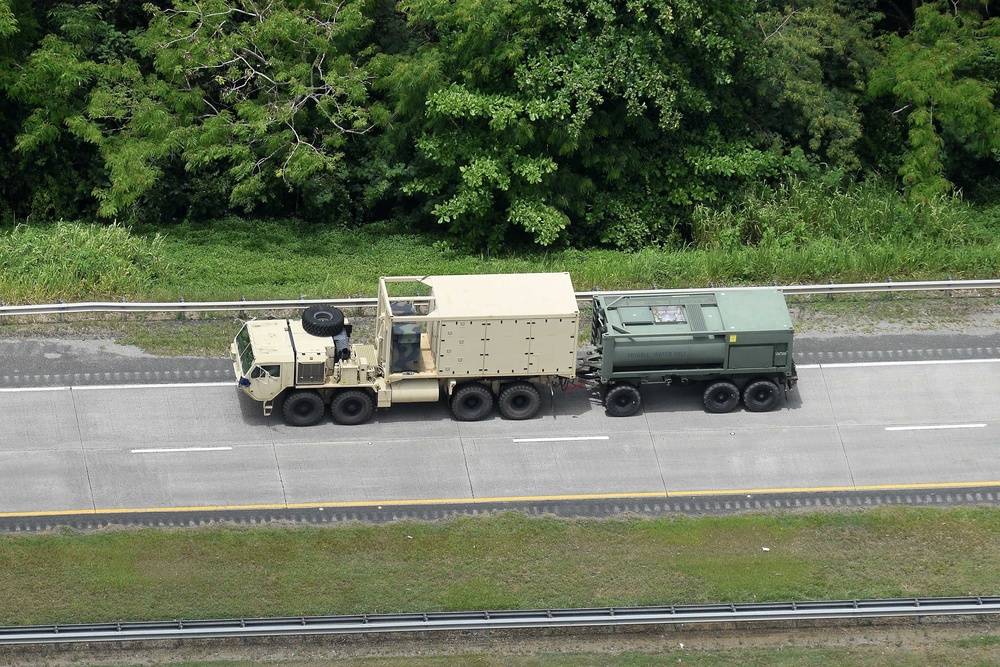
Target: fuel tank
[668, 333]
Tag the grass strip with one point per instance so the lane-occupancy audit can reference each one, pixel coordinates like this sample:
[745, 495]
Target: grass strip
[231, 259]
[506, 561]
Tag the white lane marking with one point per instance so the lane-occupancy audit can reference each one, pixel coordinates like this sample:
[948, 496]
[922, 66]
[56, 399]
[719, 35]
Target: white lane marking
[92, 387]
[931, 428]
[924, 362]
[589, 437]
[181, 449]
[11, 390]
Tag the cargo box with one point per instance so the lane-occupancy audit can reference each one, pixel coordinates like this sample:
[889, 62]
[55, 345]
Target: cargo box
[486, 326]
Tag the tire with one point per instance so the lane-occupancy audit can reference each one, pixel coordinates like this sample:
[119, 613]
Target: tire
[322, 320]
[519, 400]
[760, 396]
[302, 408]
[471, 402]
[351, 407]
[622, 400]
[721, 397]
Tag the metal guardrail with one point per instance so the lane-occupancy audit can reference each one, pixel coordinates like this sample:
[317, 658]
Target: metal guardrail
[370, 302]
[496, 620]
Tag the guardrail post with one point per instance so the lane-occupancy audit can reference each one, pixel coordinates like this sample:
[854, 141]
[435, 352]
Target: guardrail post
[62, 317]
[242, 314]
[829, 296]
[180, 313]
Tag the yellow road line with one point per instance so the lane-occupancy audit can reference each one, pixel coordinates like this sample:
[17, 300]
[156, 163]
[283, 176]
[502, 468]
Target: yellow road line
[510, 499]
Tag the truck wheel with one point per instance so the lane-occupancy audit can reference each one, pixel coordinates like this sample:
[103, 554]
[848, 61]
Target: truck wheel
[622, 400]
[471, 402]
[519, 400]
[302, 408]
[351, 407]
[721, 397]
[322, 320]
[760, 396]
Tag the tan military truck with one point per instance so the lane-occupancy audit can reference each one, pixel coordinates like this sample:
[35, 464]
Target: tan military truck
[480, 340]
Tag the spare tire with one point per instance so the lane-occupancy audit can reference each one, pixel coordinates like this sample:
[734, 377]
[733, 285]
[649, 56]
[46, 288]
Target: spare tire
[323, 320]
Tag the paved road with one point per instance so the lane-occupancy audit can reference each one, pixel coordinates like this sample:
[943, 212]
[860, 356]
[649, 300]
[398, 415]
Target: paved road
[847, 426]
[40, 362]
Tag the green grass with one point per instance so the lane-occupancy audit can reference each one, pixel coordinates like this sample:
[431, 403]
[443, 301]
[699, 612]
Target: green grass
[509, 561]
[802, 233]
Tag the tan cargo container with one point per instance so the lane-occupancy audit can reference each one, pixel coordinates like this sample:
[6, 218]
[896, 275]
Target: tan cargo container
[479, 340]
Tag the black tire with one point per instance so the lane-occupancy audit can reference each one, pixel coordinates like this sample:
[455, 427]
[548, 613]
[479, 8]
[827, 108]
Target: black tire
[721, 397]
[471, 402]
[622, 400]
[519, 400]
[302, 408]
[761, 396]
[322, 320]
[352, 406]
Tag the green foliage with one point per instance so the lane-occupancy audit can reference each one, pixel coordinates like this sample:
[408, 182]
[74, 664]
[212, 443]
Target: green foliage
[508, 123]
[8, 22]
[62, 261]
[819, 53]
[55, 58]
[557, 120]
[268, 92]
[944, 76]
[857, 216]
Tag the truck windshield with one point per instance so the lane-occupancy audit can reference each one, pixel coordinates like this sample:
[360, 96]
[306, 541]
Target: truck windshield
[244, 349]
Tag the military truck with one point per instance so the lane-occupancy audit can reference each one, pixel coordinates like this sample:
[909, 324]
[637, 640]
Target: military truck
[497, 339]
[737, 343]
[480, 340]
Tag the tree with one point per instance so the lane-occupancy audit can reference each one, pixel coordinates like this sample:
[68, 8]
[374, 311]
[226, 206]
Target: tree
[596, 120]
[819, 55]
[271, 90]
[58, 54]
[261, 95]
[942, 79]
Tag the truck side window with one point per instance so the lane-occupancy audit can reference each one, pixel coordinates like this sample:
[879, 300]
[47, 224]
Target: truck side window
[272, 371]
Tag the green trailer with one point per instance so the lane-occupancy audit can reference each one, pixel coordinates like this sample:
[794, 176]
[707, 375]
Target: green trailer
[737, 343]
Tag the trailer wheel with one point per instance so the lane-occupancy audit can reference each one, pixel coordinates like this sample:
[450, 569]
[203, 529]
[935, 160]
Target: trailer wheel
[302, 408]
[721, 397]
[622, 400]
[351, 407]
[760, 396]
[519, 400]
[323, 320]
[471, 402]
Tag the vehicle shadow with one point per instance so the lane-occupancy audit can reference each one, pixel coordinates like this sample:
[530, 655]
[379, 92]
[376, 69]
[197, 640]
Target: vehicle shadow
[679, 399]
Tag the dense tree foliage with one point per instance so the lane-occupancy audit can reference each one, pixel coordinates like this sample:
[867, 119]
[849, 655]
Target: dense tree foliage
[546, 122]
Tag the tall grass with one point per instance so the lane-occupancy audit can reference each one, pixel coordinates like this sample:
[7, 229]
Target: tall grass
[798, 233]
[72, 261]
[796, 213]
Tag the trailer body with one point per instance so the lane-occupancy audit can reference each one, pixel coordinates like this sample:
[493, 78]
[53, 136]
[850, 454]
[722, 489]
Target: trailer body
[729, 339]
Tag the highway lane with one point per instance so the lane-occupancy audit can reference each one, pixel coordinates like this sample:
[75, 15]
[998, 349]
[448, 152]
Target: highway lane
[118, 448]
